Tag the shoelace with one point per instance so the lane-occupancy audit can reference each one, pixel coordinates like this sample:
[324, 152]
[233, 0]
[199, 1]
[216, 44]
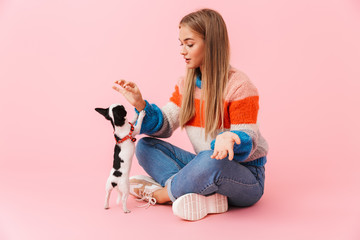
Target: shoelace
[147, 197]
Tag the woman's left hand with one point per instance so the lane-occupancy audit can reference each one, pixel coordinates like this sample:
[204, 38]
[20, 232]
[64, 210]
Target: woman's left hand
[224, 145]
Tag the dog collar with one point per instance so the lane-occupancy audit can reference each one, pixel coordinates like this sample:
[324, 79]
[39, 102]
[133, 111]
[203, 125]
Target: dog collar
[129, 136]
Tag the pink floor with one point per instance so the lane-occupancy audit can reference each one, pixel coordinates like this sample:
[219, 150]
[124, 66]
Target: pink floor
[69, 205]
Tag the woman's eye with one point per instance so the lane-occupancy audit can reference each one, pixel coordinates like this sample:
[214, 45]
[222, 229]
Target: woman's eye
[188, 45]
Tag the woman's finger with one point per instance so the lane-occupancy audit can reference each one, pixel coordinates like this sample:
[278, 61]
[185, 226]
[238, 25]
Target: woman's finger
[130, 89]
[116, 89]
[120, 82]
[224, 154]
[215, 153]
[236, 138]
[130, 84]
[120, 90]
[220, 155]
[231, 154]
[124, 85]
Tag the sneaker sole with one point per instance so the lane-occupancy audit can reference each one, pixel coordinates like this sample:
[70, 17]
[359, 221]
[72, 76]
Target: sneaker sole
[194, 206]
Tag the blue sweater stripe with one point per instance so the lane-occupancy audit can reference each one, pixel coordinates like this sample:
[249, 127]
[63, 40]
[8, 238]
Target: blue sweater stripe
[153, 119]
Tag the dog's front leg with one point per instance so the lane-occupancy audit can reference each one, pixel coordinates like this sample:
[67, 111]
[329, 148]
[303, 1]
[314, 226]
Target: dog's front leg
[139, 123]
[133, 121]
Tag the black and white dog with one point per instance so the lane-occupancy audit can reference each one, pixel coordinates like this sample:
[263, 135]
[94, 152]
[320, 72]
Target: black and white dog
[124, 133]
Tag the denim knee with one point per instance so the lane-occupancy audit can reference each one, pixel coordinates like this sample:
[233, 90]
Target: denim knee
[208, 167]
[140, 149]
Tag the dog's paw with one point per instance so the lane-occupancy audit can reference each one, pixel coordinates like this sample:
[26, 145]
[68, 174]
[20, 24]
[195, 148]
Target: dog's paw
[127, 211]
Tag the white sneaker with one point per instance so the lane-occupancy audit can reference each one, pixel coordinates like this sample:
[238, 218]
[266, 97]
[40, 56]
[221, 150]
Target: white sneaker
[194, 206]
[143, 188]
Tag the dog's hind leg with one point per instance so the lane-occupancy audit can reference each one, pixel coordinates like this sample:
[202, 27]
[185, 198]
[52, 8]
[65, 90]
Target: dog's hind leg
[108, 190]
[119, 196]
[124, 198]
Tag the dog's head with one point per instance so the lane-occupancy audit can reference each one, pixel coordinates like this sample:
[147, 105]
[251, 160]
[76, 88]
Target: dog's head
[116, 114]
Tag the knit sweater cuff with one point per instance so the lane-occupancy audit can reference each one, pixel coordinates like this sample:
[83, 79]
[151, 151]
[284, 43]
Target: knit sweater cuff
[153, 119]
[242, 150]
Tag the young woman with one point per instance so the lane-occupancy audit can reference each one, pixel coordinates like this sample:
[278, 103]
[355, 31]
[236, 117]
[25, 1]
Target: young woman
[218, 106]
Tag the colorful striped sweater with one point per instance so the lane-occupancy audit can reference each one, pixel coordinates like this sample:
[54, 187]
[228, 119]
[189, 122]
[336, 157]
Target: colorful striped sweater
[240, 117]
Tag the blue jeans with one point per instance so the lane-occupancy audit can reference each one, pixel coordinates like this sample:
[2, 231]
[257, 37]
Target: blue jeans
[184, 172]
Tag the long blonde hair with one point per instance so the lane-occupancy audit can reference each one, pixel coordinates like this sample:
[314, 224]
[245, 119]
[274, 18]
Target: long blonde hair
[215, 68]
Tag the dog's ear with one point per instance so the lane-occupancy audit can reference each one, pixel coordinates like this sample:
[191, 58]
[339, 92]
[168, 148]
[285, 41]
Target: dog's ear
[104, 112]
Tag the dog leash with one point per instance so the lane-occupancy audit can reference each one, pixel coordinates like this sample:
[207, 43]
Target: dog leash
[129, 136]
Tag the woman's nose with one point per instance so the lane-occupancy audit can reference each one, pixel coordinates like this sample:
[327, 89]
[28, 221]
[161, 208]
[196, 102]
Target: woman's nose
[183, 51]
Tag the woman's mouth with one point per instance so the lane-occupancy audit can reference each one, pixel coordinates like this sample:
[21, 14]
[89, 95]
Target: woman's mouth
[187, 60]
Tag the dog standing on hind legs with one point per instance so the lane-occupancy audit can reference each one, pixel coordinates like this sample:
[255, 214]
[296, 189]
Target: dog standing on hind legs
[124, 133]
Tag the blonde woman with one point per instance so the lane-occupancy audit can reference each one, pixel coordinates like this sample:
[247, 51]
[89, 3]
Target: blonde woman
[218, 106]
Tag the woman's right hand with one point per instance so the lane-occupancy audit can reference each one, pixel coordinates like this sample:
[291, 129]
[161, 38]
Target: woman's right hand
[131, 92]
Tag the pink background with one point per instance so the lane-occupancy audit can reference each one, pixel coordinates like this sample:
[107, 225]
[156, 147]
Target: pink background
[58, 60]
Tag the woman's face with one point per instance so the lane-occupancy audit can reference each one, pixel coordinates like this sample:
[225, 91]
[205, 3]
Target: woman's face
[192, 47]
